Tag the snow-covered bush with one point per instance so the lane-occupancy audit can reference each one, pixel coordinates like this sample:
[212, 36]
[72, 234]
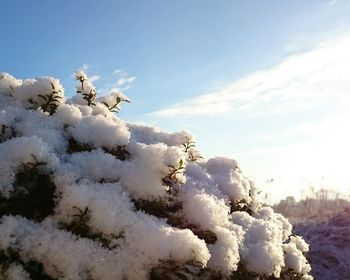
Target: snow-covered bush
[84, 195]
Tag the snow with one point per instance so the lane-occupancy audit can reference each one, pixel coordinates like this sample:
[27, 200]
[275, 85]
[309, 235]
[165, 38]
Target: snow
[16, 272]
[151, 164]
[225, 252]
[205, 209]
[262, 250]
[227, 175]
[68, 115]
[8, 84]
[295, 259]
[140, 197]
[100, 131]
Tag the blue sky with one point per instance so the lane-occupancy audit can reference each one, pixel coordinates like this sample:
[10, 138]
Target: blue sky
[261, 81]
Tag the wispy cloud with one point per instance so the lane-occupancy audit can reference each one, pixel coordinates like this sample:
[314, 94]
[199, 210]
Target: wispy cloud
[299, 80]
[119, 80]
[94, 78]
[119, 72]
[124, 80]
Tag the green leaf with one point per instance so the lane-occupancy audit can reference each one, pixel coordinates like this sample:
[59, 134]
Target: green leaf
[43, 97]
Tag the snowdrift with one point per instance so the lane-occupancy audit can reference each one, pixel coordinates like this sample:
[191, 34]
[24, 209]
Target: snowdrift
[84, 195]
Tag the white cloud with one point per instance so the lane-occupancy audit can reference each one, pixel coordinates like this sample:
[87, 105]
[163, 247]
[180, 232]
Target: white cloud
[119, 72]
[125, 80]
[94, 78]
[122, 81]
[299, 81]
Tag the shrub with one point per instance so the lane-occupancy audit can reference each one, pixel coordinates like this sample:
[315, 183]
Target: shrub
[84, 195]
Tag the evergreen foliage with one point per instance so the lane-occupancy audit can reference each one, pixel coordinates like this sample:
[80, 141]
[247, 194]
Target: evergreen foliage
[84, 195]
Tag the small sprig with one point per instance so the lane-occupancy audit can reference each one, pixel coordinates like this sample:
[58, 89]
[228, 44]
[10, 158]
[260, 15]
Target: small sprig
[90, 97]
[193, 157]
[35, 164]
[188, 147]
[32, 168]
[83, 215]
[81, 77]
[114, 108]
[188, 144]
[75, 147]
[79, 226]
[119, 152]
[51, 100]
[33, 196]
[174, 171]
